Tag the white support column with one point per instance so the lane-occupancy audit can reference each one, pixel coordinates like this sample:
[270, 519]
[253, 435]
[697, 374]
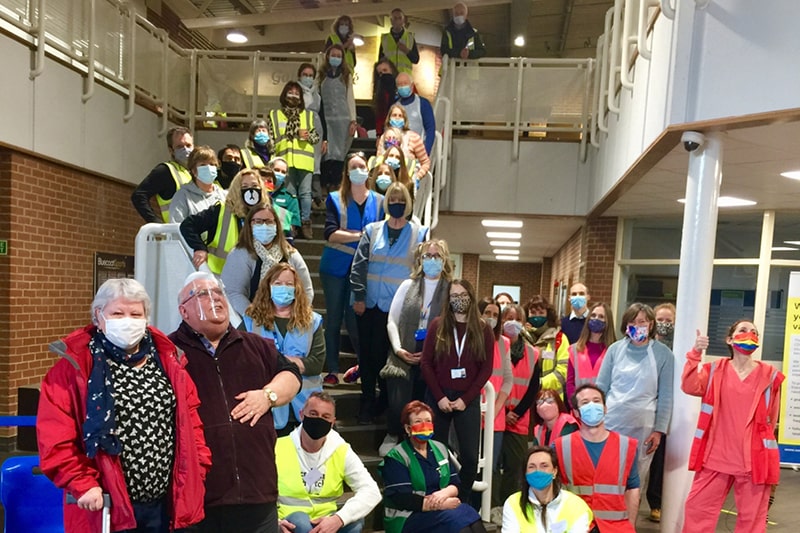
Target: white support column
[694, 290]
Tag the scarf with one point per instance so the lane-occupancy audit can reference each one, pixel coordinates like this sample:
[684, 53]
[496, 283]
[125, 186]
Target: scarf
[100, 427]
[517, 350]
[269, 256]
[292, 122]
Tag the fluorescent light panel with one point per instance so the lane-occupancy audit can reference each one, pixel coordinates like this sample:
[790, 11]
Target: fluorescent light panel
[505, 244]
[783, 249]
[237, 37]
[507, 257]
[728, 201]
[519, 40]
[505, 251]
[791, 174]
[503, 235]
[489, 223]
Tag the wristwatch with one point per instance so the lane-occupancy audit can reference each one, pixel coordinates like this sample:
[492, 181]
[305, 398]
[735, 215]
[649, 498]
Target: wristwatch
[271, 396]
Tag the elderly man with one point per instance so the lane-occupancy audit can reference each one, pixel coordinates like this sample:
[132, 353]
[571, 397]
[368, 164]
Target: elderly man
[590, 462]
[399, 46]
[239, 377]
[572, 324]
[166, 178]
[418, 109]
[315, 462]
[459, 39]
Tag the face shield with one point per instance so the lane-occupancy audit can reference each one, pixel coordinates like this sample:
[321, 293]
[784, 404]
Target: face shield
[204, 291]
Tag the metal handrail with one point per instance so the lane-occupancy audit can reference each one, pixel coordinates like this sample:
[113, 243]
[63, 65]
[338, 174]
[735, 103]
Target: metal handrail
[625, 74]
[88, 90]
[517, 112]
[40, 40]
[130, 103]
[595, 128]
[667, 9]
[614, 65]
[641, 35]
[604, 72]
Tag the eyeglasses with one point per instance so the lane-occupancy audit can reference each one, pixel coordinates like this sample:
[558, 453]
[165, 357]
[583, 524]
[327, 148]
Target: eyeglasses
[549, 400]
[206, 293]
[351, 155]
[259, 221]
[431, 256]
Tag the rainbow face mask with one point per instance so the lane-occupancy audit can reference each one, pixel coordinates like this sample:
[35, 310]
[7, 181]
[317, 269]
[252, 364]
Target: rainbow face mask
[422, 431]
[745, 343]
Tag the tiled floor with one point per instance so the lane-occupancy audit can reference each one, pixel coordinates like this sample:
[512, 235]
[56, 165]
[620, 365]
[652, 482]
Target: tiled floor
[784, 516]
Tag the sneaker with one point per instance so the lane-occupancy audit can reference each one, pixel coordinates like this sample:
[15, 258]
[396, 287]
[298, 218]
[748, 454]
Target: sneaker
[331, 379]
[351, 376]
[655, 515]
[389, 442]
[496, 516]
[306, 231]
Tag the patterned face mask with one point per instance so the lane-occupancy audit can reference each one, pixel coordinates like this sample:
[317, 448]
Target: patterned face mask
[459, 303]
[745, 343]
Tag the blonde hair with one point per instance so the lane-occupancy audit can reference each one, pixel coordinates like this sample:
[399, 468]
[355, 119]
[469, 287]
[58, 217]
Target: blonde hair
[391, 191]
[444, 251]
[262, 310]
[234, 200]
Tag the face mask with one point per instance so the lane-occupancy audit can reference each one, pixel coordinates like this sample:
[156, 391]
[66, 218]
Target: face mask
[181, 155]
[231, 168]
[539, 480]
[265, 233]
[307, 81]
[537, 321]
[388, 143]
[397, 210]
[207, 174]
[279, 178]
[460, 304]
[592, 414]
[397, 122]
[577, 302]
[335, 62]
[282, 295]
[432, 267]
[596, 325]
[404, 91]
[393, 162]
[422, 431]
[269, 185]
[665, 329]
[383, 181]
[638, 333]
[745, 343]
[490, 321]
[512, 328]
[459, 20]
[292, 100]
[358, 176]
[344, 29]
[316, 427]
[251, 197]
[125, 332]
[261, 138]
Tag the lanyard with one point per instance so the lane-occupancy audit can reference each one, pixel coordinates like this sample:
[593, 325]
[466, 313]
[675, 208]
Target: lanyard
[423, 317]
[459, 347]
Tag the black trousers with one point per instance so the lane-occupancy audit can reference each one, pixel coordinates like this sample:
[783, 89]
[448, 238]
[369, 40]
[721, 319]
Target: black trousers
[401, 391]
[374, 347]
[656, 475]
[467, 424]
[253, 518]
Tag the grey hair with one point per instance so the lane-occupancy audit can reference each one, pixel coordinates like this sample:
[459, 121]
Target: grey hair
[197, 276]
[114, 288]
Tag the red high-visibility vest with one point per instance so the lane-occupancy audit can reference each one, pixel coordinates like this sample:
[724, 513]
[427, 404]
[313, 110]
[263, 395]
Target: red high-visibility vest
[541, 430]
[501, 348]
[522, 372]
[584, 371]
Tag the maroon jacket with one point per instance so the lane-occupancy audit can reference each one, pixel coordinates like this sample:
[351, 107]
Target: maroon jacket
[62, 410]
[244, 457]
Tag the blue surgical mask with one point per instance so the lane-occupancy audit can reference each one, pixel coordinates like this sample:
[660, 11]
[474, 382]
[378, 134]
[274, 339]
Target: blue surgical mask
[539, 480]
[397, 210]
[261, 138]
[592, 413]
[344, 29]
[307, 81]
[334, 61]
[638, 333]
[265, 233]
[358, 176]
[383, 181]
[393, 162]
[397, 122]
[181, 155]
[282, 295]
[280, 177]
[432, 266]
[207, 173]
[596, 325]
[404, 91]
[577, 302]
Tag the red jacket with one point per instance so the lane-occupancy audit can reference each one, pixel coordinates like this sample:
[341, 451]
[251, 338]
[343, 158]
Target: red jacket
[62, 410]
[706, 381]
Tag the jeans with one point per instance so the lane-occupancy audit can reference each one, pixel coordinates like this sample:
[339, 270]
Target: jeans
[337, 307]
[303, 524]
[151, 517]
[245, 518]
[298, 182]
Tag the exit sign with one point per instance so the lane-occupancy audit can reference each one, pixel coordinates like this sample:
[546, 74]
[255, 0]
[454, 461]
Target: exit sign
[3, 247]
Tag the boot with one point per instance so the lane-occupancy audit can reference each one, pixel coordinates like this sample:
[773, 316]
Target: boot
[306, 230]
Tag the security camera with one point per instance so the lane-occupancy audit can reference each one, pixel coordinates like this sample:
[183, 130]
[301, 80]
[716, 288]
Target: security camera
[692, 140]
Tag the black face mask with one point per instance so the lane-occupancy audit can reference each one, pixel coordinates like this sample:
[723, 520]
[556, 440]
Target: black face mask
[316, 428]
[231, 168]
[251, 197]
[387, 81]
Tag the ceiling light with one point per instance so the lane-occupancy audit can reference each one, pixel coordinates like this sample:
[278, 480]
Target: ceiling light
[503, 235]
[358, 39]
[519, 40]
[792, 174]
[507, 257]
[794, 243]
[505, 251]
[728, 201]
[236, 37]
[488, 223]
[783, 249]
[507, 244]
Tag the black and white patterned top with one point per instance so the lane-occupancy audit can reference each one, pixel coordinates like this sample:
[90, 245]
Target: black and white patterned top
[145, 412]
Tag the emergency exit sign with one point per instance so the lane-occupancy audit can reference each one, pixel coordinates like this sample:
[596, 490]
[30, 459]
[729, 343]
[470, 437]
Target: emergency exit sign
[3, 247]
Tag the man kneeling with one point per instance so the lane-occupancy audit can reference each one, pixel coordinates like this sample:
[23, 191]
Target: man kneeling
[313, 462]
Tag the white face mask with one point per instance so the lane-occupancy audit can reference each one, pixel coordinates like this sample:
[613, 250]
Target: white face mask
[125, 332]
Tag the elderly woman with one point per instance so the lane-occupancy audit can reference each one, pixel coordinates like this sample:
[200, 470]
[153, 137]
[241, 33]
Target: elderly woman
[542, 505]
[636, 376]
[384, 258]
[203, 191]
[256, 151]
[421, 482]
[257, 251]
[118, 414]
[213, 233]
[417, 300]
[282, 313]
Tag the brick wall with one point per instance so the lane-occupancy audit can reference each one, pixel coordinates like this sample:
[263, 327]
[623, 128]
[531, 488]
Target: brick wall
[566, 263]
[55, 218]
[527, 275]
[600, 244]
[470, 268]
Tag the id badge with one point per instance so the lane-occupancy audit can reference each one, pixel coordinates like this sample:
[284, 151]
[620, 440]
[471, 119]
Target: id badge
[419, 335]
[458, 373]
[548, 355]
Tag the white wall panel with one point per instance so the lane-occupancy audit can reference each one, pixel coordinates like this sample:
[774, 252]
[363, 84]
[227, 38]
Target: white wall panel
[102, 134]
[16, 101]
[58, 113]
